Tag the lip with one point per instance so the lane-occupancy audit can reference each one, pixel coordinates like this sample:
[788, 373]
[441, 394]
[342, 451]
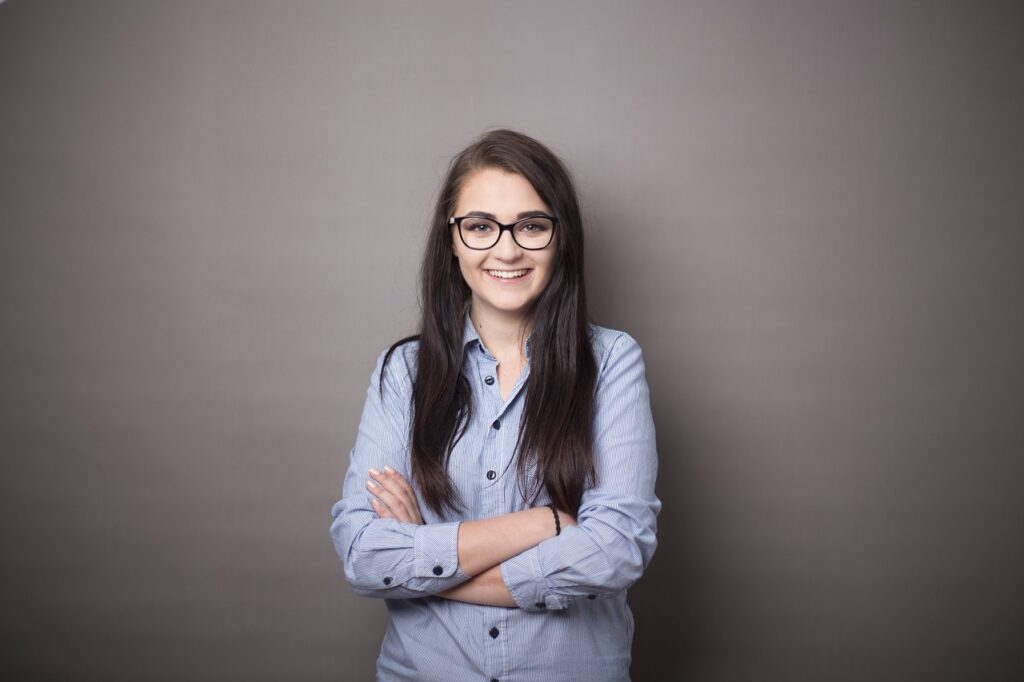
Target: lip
[510, 282]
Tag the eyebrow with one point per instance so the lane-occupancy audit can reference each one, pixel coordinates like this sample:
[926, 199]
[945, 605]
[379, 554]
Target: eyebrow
[524, 214]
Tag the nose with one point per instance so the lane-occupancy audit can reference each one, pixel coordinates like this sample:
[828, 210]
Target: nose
[506, 248]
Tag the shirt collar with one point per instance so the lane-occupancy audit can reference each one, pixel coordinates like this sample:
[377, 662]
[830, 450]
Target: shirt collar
[471, 339]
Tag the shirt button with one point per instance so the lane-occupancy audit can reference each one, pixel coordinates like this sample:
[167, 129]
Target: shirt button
[540, 605]
[494, 679]
[493, 632]
[438, 570]
[591, 596]
[387, 580]
[488, 380]
[496, 424]
[491, 474]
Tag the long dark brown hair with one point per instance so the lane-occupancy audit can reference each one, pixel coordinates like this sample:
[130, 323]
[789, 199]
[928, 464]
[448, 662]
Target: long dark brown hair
[557, 419]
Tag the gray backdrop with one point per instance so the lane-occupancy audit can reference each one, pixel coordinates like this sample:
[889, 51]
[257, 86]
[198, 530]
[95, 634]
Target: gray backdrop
[808, 213]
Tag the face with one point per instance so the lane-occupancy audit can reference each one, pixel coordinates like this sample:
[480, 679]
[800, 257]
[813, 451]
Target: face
[505, 195]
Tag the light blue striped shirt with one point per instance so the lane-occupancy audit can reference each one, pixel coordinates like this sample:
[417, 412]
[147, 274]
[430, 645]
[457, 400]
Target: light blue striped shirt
[573, 622]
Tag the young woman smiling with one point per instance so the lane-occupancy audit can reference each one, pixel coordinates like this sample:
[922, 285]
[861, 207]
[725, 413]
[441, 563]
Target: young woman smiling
[500, 493]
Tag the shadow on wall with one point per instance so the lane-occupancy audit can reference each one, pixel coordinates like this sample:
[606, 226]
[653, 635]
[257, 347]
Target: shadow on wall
[671, 614]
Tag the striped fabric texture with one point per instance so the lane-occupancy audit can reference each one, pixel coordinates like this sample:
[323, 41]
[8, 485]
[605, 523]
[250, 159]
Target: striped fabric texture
[573, 622]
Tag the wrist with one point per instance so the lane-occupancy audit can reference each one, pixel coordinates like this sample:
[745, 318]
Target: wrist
[543, 524]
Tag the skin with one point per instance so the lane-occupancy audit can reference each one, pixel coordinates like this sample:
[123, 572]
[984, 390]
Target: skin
[498, 312]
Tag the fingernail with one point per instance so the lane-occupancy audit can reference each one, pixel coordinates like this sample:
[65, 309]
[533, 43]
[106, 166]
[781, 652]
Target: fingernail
[371, 484]
[374, 502]
[375, 472]
[387, 468]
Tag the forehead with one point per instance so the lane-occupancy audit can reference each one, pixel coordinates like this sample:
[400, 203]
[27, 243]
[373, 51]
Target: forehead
[499, 192]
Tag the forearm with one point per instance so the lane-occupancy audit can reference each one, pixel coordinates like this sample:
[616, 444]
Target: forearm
[487, 588]
[608, 552]
[485, 543]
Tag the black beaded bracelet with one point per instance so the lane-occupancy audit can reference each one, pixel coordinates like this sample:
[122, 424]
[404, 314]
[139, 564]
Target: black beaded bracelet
[558, 524]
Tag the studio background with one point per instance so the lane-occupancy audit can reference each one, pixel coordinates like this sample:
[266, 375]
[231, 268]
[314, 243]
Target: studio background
[809, 215]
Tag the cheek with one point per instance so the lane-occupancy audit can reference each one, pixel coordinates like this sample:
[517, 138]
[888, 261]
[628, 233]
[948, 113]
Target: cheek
[467, 264]
[462, 268]
[548, 268]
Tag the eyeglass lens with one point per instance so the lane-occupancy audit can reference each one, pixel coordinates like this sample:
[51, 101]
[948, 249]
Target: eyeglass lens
[532, 233]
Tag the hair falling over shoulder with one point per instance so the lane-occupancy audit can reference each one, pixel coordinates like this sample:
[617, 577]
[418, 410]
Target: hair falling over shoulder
[556, 431]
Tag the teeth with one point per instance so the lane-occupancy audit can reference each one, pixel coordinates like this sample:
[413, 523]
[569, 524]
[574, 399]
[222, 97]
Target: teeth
[508, 274]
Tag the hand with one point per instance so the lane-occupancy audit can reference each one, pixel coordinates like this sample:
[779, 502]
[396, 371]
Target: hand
[393, 497]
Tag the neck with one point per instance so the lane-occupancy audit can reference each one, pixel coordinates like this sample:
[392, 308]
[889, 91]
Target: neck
[502, 334]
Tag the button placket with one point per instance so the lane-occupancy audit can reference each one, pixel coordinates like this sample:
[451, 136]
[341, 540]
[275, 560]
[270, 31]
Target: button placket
[492, 461]
[497, 652]
[491, 456]
[507, 419]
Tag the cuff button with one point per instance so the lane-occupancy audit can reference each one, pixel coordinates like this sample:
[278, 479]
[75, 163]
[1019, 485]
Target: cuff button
[591, 596]
[387, 580]
[438, 570]
[540, 605]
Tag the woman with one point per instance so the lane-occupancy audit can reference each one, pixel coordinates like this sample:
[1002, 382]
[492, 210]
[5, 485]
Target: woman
[500, 494]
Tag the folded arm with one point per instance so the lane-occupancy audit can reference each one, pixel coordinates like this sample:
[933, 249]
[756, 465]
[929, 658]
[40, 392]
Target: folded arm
[392, 556]
[617, 522]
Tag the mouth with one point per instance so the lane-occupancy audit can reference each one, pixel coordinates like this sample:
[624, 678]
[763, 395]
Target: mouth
[508, 276]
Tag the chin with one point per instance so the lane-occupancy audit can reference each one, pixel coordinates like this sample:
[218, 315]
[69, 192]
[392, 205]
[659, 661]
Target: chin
[509, 306]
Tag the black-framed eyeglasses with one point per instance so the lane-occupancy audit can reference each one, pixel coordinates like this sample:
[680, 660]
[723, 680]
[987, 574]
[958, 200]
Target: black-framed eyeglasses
[533, 233]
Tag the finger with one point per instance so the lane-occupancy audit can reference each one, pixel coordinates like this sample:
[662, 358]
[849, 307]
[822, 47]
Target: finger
[405, 491]
[397, 485]
[382, 510]
[400, 479]
[386, 484]
[411, 501]
[394, 502]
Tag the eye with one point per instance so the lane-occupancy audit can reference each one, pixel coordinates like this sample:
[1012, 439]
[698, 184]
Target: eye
[534, 227]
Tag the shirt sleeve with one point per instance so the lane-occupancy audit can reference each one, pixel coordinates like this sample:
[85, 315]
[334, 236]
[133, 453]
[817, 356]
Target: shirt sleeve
[616, 536]
[384, 557]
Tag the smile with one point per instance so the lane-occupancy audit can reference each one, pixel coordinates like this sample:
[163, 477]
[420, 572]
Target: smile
[509, 275]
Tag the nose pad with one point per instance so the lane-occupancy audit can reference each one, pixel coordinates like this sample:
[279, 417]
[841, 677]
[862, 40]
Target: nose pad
[499, 247]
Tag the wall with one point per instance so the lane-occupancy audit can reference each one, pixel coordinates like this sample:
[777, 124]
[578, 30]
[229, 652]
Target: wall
[809, 214]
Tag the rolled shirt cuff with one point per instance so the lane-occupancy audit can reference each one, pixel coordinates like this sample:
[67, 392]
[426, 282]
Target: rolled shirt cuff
[436, 550]
[526, 583]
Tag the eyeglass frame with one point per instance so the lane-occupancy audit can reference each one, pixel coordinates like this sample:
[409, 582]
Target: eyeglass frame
[457, 222]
